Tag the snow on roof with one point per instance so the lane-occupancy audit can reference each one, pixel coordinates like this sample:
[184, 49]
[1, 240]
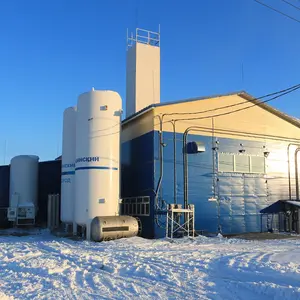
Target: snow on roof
[294, 203]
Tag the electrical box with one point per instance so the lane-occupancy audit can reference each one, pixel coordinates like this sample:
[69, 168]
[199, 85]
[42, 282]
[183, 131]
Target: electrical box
[11, 213]
[26, 212]
[22, 215]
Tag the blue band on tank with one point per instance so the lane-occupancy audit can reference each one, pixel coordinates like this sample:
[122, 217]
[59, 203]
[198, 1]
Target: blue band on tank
[68, 173]
[95, 168]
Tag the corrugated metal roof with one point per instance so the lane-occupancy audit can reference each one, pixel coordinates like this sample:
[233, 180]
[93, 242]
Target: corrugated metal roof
[242, 94]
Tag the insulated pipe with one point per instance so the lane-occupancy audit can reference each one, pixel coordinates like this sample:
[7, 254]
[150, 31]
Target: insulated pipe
[160, 160]
[289, 170]
[213, 155]
[173, 122]
[161, 146]
[160, 169]
[296, 173]
[250, 134]
[185, 170]
[161, 157]
[185, 166]
[185, 184]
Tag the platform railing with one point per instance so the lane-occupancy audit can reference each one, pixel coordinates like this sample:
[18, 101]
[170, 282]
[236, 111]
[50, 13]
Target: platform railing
[135, 206]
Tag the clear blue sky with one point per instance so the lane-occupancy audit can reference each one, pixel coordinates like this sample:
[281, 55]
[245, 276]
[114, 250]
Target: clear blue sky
[51, 51]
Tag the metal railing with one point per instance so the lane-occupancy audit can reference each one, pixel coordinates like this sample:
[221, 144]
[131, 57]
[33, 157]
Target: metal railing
[174, 224]
[135, 206]
[144, 37]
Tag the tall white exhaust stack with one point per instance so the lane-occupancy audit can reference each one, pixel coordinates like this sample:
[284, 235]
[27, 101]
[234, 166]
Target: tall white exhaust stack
[143, 70]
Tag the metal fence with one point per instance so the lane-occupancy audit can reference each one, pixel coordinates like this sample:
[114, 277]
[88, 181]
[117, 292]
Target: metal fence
[135, 206]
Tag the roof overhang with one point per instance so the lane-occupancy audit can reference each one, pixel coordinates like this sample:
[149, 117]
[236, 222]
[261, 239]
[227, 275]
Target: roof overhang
[280, 206]
[242, 94]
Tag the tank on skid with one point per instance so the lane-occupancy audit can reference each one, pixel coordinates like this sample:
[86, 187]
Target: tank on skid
[109, 228]
[23, 189]
[68, 166]
[97, 170]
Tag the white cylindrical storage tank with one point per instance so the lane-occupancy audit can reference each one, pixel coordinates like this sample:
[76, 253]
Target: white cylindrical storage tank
[68, 166]
[97, 170]
[23, 187]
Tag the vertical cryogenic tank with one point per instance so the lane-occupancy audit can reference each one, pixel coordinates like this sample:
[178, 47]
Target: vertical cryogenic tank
[23, 189]
[97, 170]
[68, 166]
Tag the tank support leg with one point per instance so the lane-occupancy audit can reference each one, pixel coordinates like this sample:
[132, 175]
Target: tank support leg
[88, 231]
[74, 228]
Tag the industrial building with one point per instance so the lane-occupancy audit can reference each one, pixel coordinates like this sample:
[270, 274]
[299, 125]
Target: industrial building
[205, 165]
[246, 161]
[228, 155]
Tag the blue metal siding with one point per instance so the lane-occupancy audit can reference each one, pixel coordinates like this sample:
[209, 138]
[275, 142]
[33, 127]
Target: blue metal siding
[137, 174]
[4, 195]
[49, 183]
[241, 195]
[4, 186]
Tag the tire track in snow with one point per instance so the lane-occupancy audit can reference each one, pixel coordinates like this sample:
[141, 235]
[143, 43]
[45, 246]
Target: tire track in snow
[242, 272]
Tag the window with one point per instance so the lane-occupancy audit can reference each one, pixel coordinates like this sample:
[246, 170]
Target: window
[226, 162]
[258, 164]
[238, 163]
[242, 163]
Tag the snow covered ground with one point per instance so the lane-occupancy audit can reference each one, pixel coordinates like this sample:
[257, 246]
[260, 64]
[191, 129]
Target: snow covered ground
[45, 267]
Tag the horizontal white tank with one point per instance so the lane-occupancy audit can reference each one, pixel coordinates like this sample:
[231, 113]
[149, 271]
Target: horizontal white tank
[97, 170]
[111, 228]
[23, 187]
[68, 166]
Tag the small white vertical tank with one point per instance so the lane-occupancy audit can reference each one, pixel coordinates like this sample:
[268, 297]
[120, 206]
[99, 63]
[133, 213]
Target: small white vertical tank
[97, 170]
[23, 188]
[68, 166]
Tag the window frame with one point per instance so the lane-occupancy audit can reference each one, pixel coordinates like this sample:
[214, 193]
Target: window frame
[234, 168]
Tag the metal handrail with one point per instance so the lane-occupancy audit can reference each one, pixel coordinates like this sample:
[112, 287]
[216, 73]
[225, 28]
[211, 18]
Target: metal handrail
[135, 206]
